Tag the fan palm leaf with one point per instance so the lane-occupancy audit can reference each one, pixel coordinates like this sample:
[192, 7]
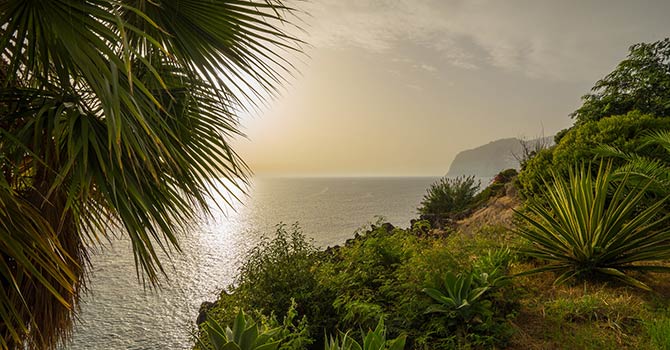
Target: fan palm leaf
[650, 164]
[116, 116]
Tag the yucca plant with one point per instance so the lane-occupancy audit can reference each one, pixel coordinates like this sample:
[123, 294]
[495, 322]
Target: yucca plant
[596, 225]
[461, 298]
[373, 340]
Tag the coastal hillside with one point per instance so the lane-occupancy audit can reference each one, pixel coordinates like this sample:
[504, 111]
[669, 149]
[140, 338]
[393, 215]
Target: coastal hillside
[487, 160]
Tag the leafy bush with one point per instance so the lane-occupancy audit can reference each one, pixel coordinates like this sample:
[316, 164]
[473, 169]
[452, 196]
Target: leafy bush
[448, 197]
[580, 144]
[472, 306]
[277, 270]
[368, 268]
[595, 226]
[497, 188]
[277, 273]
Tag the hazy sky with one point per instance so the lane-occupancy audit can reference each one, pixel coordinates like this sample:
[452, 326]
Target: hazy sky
[398, 87]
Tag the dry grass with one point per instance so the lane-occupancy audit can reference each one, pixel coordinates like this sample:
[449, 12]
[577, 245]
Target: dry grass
[586, 314]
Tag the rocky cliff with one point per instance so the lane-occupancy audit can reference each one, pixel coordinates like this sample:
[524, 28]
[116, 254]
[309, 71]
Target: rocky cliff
[488, 160]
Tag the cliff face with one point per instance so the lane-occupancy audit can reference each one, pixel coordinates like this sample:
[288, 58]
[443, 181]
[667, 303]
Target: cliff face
[488, 160]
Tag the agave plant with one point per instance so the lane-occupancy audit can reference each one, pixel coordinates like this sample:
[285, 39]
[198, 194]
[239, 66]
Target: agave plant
[246, 334]
[373, 340]
[462, 298]
[596, 226]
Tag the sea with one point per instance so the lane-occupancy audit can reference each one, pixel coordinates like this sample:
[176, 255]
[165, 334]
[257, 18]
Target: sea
[118, 312]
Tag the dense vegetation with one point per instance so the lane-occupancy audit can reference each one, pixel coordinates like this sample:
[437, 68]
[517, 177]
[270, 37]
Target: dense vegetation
[584, 143]
[583, 268]
[623, 108]
[402, 276]
[439, 289]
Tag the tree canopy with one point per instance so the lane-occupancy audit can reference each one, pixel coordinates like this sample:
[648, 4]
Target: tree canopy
[116, 117]
[640, 82]
[582, 143]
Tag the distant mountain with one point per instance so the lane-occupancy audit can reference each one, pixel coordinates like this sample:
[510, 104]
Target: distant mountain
[488, 160]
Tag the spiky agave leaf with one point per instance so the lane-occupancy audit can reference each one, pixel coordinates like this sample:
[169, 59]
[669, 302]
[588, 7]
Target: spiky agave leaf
[596, 225]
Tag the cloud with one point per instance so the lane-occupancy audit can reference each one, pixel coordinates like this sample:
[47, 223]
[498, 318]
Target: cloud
[561, 40]
[415, 87]
[426, 67]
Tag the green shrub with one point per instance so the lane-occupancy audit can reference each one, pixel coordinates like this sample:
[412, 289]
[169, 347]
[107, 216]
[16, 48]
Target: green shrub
[470, 308]
[579, 145]
[368, 268]
[594, 225]
[278, 272]
[448, 197]
[465, 297]
[497, 188]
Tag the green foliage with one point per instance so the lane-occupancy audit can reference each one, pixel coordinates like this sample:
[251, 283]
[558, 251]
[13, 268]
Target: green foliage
[462, 301]
[659, 332]
[463, 297]
[497, 188]
[368, 267]
[373, 340]
[265, 334]
[245, 335]
[640, 82]
[494, 263]
[650, 162]
[420, 227]
[505, 176]
[279, 271]
[594, 225]
[117, 116]
[581, 144]
[448, 197]
[378, 275]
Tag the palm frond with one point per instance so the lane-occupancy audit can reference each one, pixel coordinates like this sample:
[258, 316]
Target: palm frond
[118, 115]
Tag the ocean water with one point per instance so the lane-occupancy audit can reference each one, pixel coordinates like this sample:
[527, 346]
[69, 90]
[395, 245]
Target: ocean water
[119, 313]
